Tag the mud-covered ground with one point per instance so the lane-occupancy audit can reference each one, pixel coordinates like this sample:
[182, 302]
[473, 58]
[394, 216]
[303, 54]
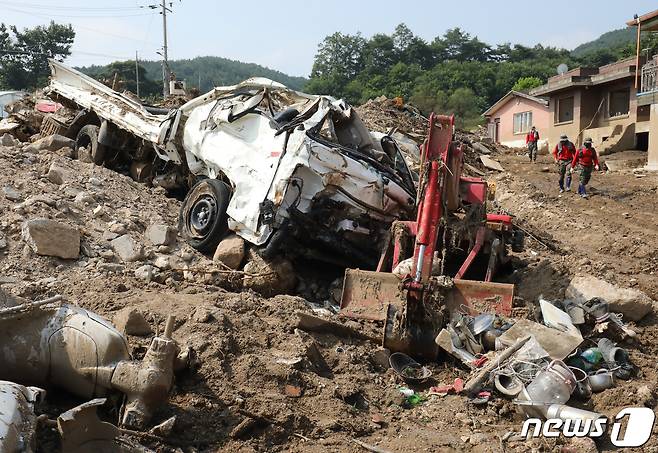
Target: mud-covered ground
[255, 384]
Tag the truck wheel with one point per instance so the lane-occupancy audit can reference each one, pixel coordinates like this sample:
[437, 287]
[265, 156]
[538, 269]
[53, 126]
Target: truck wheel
[88, 138]
[203, 221]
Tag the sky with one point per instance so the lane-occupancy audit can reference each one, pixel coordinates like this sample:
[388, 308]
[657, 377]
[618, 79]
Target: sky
[284, 34]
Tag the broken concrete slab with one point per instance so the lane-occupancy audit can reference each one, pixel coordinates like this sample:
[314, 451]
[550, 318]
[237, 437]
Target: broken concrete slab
[230, 252]
[61, 171]
[556, 343]
[50, 238]
[127, 248]
[490, 163]
[633, 304]
[132, 322]
[160, 234]
[479, 147]
[50, 143]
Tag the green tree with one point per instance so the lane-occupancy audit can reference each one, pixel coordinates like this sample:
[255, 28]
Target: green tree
[339, 60]
[379, 54]
[125, 76]
[466, 107]
[24, 56]
[527, 83]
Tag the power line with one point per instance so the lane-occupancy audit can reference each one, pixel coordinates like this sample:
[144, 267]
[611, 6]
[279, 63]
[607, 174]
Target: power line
[74, 8]
[93, 30]
[78, 15]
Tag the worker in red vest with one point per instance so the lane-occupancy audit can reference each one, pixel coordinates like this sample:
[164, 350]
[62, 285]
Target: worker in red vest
[586, 160]
[531, 140]
[563, 155]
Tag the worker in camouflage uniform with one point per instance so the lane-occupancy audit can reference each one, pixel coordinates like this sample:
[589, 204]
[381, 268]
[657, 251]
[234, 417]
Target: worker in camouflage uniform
[585, 160]
[563, 155]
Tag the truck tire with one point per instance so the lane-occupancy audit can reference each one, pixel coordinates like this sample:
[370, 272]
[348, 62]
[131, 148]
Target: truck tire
[88, 138]
[202, 221]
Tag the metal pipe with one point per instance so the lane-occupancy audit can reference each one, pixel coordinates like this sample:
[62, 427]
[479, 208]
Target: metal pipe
[564, 412]
[169, 327]
[29, 305]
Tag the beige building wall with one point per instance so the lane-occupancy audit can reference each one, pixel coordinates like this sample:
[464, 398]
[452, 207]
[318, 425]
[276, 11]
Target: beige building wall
[571, 128]
[591, 118]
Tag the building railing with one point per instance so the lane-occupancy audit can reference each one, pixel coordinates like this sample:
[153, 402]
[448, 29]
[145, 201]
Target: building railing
[649, 77]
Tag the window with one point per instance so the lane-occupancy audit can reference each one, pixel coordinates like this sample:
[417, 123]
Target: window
[522, 122]
[619, 102]
[564, 111]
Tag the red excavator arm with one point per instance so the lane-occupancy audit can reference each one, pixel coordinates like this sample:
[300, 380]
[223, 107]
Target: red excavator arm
[449, 205]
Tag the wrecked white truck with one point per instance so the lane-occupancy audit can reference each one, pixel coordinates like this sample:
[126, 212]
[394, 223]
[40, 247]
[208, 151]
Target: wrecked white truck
[276, 166]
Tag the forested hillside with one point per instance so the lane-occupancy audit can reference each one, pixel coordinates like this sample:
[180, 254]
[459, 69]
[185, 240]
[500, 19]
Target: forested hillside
[212, 71]
[455, 72]
[612, 40]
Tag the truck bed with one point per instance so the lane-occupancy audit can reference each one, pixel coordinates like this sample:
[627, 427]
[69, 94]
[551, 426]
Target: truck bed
[121, 110]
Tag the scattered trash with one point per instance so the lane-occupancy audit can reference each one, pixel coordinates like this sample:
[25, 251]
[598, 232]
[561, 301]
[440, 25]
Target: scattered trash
[601, 380]
[408, 369]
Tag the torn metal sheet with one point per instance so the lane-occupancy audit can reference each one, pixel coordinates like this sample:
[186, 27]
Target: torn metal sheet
[92, 95]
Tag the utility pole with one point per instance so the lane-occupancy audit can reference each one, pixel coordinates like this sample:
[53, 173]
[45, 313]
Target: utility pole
[165, 62]
[137, 72]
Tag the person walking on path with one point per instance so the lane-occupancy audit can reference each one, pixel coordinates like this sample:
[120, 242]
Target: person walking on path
[531, 140]
[585, 160]
[563, 154]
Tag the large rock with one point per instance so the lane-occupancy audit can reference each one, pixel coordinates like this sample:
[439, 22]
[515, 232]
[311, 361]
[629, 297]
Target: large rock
[50, 143]
[50, 238]
[8, 140]
[269, 277]
[61, 171]
[12, 194]
[132, 322]
[160, 234]
[230, 251]
[127, 248]
[632, 303]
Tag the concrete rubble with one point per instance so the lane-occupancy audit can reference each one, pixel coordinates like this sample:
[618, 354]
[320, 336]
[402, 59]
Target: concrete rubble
[631, 303]
[127, 248]
[50, 238]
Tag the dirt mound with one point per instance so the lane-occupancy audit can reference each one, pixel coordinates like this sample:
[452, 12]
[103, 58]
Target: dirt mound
[259, 381]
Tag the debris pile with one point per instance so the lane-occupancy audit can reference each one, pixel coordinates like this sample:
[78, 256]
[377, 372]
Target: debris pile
[394, 115]
[243, 365]
[407, 125]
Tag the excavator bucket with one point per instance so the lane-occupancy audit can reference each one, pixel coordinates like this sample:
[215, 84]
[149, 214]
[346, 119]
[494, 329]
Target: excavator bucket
[475, 297]
[367, 294]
